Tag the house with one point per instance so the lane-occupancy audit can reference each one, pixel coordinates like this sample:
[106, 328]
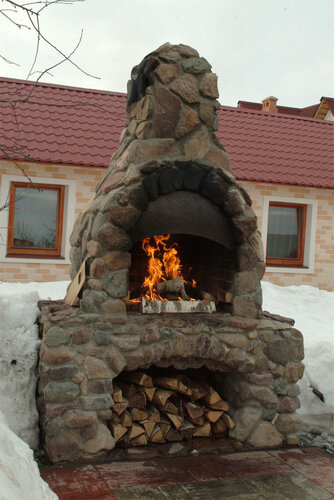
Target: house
[58, 141]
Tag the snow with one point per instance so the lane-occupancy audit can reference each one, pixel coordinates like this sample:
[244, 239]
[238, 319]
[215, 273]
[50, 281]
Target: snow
[19, 353]
[19, 474]
[313, 312]
[312, 309]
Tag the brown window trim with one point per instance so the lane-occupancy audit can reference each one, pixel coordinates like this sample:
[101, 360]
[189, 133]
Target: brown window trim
[42, 253]
[302, 213]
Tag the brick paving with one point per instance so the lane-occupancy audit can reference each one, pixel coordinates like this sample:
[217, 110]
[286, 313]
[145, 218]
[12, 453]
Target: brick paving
[296, 473]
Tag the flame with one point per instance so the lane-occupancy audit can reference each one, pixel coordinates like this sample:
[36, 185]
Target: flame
[163, 264]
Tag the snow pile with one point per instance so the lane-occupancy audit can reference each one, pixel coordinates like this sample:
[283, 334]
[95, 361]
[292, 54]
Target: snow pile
[313, 311]
[19, 354]
[19, 474]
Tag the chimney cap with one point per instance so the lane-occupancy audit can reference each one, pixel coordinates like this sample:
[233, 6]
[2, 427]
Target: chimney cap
[270, 98]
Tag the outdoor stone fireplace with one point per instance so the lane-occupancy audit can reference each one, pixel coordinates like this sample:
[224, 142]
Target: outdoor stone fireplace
[169, 176]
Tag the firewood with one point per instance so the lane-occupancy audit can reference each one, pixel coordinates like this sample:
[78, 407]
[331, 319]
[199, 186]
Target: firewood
[173, 435]
[165, 427]
[160, 397]
[219, 428]
[173, 286]
[125, 419]
[136, 430]
[228, 421]
[154, 415]
[198, 421]
[120, 407]
[148, 426]
[117, 394]
[128, 390]
[157, 436]
[138, 415]
[203, 430]
[220, 405]
[138, 378]
[213, 416]
[194, 411]
[173, 384]
[137, 400]
[187, 429]
[114, 419]
[148, 391]
[211, 397]
[118, 431]
[177, 420]
[139, 440]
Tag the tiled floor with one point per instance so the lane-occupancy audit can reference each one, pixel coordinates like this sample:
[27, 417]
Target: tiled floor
[281, 474]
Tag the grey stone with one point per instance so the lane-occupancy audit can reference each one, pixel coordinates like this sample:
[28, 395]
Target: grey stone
[293, 390]
[288, 422]
[78, 418]
[233, 339]
[102, 337]
[99, 220]
[100, 386]
[115, 283]
[61, 391]
[208, 86]
[151, 186]
[289, 405]
[245, 419]
[117, 260]
[65, 446]
[196, 65]
[280, 386]
[244, 306]
[126, 342]
[102, 441]
[244, 225]
[262, 394]
[246, 282]
[233, 202]
[56, 336]
[265, 436]
[99, 402]
[96, 368]
[123, 216]
[284, 350]
[114, 238]
[115, 361]
[170, 179]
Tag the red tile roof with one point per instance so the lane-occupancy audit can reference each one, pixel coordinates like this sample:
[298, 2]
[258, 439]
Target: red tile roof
[273, 147]
[61, 124]
[74, 126]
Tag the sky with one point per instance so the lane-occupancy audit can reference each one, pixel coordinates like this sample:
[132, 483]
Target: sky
[257, 48]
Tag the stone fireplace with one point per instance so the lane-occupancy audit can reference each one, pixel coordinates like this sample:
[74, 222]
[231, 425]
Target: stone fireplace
[169, 176]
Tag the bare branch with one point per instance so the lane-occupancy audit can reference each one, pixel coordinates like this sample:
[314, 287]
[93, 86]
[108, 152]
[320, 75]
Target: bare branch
[8, 61]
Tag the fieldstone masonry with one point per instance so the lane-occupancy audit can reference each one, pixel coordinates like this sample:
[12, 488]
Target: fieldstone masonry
[168, 145]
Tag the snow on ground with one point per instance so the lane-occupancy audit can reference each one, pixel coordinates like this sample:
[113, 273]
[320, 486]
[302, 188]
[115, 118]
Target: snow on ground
[19, 353]
[19, 474]
[313, 311]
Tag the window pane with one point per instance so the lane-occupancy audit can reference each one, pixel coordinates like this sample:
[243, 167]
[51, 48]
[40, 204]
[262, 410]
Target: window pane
[283, 231]
[35, 218]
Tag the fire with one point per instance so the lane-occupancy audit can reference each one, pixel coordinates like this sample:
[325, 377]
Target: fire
[163, 264]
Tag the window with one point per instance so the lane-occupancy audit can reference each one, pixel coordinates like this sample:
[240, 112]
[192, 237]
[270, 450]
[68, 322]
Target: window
[35, 223]
[286, 234]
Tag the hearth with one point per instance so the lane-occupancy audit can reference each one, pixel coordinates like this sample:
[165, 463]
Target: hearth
[169, 188]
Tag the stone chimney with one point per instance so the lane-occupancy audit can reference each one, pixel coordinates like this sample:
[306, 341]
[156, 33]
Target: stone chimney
[270, 104]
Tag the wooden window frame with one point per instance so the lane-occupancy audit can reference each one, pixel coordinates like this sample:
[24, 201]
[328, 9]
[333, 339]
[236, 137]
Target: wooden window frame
[41, 253]
[302, 214]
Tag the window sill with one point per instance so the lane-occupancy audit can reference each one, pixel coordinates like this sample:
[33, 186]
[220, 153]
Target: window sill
[291, 270]
[36, 259]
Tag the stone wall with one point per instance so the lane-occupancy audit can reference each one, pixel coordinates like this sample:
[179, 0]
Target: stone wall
[256, 364]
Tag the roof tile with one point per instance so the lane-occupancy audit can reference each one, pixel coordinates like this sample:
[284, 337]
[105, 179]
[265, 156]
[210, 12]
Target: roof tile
[74, 126]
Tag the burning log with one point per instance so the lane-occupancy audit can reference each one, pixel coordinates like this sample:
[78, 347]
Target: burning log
[178, 408]
[174, 287]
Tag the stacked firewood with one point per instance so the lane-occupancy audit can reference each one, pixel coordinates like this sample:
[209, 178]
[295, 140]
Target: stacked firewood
[161, 409]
